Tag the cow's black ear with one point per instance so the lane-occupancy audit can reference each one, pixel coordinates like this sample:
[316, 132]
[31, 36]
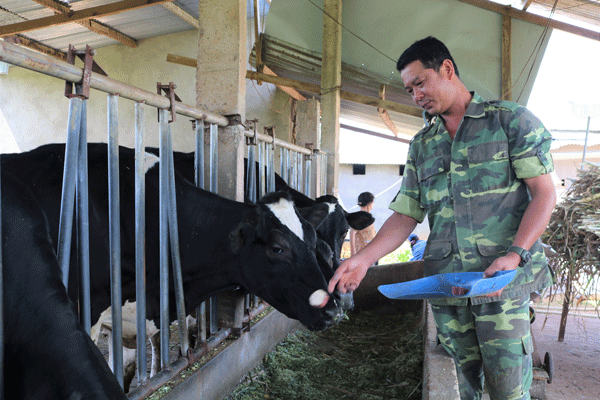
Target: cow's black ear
[315, 214]
[359, 220]
[243, 233]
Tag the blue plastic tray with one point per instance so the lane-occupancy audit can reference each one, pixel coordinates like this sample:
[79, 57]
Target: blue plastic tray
[441, 285]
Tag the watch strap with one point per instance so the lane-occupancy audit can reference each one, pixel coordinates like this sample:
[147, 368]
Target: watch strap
[524, 254]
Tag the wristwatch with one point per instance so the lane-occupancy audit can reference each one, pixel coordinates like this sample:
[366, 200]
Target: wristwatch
[524, 254]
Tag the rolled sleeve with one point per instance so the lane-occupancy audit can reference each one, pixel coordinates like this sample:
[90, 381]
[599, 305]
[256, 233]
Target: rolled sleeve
[531, 146]
[403, 204]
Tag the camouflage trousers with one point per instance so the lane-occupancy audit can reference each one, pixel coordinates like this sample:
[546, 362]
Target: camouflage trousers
[491, 341]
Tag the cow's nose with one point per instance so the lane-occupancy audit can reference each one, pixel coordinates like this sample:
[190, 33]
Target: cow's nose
[319, 298]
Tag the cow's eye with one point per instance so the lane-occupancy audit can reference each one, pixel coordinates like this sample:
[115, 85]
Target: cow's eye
[276, 249]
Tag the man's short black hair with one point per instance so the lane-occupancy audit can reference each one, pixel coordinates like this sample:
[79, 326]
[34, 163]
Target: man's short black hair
[430, 51]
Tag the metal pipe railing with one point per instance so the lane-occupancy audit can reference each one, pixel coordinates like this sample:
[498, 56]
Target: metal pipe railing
[114, 223]
[65, 229]
[48, 65]
[199, 181]
[83, 224]
[1, 297]
[140, 242]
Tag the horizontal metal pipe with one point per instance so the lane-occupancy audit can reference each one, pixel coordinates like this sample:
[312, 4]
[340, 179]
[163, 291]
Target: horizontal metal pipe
[269, 139]
[176, 368]
[48, 65]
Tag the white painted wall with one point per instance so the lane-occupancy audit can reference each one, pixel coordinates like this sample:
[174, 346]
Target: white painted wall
[381, 180]
[34, 110]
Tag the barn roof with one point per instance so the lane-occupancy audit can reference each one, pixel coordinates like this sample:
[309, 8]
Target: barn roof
[374, 35]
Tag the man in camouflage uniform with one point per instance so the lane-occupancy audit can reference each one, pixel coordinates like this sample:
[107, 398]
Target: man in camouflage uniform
[479, 170]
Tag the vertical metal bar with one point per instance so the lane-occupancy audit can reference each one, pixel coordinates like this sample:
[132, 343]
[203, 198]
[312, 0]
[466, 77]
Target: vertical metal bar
[163, 240]
[65, 228]
[300, 170]
[587, 133]
[199, 154]
[251, 177]
[140, 241]
[282, 163]
[199, 179]
[214, 158]
[1, 298]
[115, 236]
[175, 254]
[307, 175]
[214, 174]
[271, 168]
[83, 224]
[291, 168]
[261, 165]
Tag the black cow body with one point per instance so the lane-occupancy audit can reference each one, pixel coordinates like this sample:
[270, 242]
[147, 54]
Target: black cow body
[224, 244]
[48, 355]
[332, 229]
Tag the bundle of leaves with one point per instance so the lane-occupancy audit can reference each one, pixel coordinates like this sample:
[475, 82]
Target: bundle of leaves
[367, 357]
[574, 232]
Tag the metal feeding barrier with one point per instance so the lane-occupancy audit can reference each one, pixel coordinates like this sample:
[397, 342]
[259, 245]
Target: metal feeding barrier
[299, 166]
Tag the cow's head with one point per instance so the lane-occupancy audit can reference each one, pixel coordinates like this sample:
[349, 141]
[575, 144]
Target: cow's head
[278, 249]
[334, 226]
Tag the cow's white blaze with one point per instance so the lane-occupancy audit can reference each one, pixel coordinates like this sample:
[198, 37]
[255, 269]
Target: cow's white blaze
[150, 161]
[331, 207]
[286, 213]
[319, 298]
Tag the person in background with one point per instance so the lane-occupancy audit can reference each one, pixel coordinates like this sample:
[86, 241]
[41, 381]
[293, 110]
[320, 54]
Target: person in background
[417, 247]
[359, 239]
[479, 170]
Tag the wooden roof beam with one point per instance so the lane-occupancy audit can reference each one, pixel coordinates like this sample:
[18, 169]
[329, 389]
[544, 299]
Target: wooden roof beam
[190, 62]
[383, 114]
[91, 24]
[181, 13]
[37, 46]
[76, 16]
[533, 18]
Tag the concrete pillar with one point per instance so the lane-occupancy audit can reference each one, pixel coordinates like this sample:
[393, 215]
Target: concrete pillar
[331, 80]
[221, 89]
[308, 121]
[221, 83]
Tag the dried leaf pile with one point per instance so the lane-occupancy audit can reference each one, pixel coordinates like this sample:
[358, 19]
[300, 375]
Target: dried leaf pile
[574, 232]
[368, 357]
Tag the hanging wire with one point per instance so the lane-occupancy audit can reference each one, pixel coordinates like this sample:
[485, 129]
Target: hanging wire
[354, 34]
[538, 46]
[267, 104]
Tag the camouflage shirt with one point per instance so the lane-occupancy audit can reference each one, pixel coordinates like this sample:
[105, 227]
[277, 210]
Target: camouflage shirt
[472, 191]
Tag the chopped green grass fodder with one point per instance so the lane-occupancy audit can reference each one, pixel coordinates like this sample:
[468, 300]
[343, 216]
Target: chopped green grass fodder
[367, 357]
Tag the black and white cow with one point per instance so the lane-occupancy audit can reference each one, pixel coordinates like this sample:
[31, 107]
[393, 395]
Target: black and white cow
[267, 248]
[47, 355]
[333, 229]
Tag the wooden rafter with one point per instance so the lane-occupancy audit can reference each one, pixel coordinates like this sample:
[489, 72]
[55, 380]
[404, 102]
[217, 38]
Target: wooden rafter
[91, 24]
[383, 114]
[532, 18]
[312, 88]
[76, 16]
[37, 46]
[181, 13]
[190, 62]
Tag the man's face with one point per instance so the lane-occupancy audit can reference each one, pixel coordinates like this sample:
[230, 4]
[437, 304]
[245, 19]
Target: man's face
[429, 88]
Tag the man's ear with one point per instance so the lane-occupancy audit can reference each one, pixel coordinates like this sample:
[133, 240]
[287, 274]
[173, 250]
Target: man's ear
[447, 68]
